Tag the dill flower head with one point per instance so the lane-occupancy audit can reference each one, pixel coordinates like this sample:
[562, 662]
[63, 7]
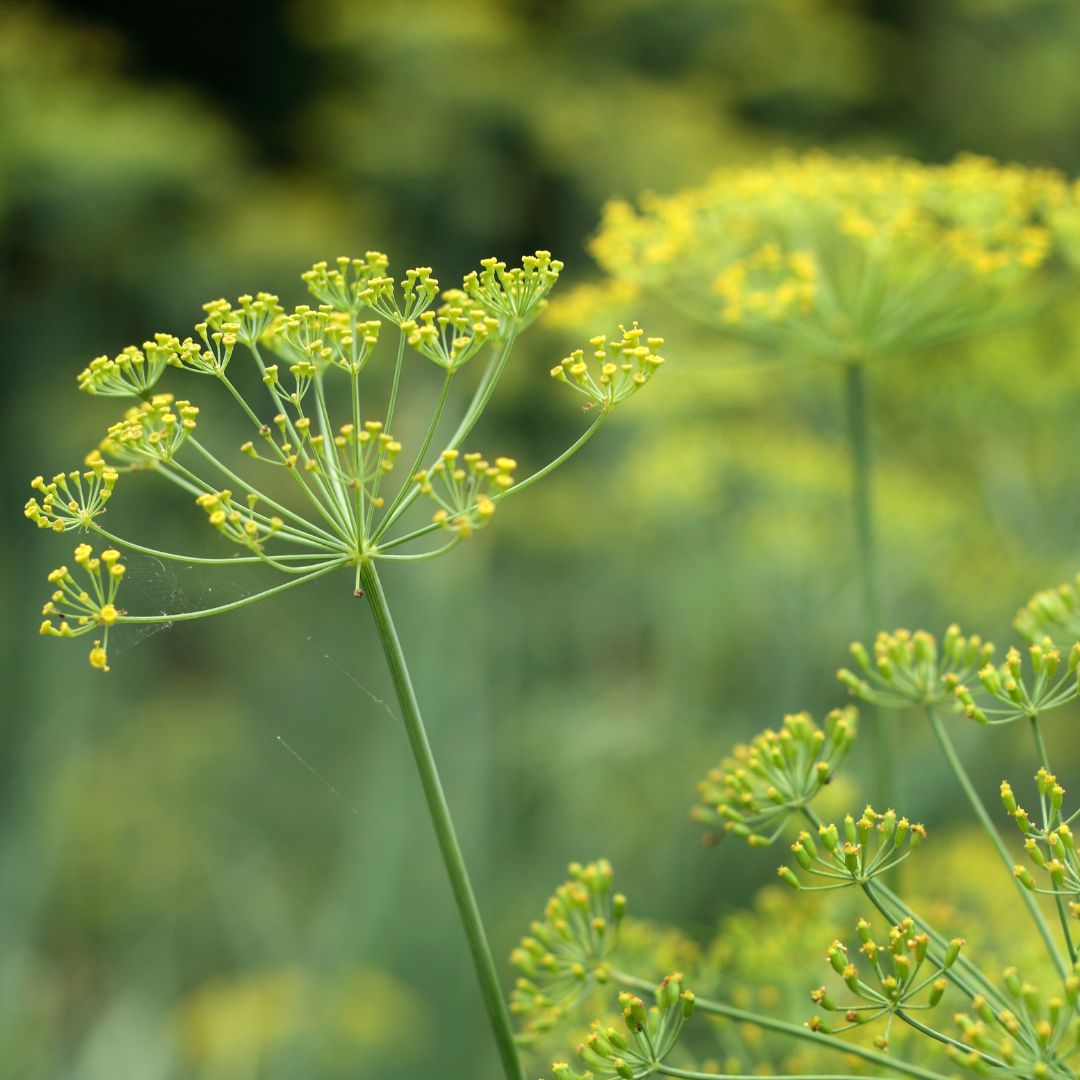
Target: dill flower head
[151, 432]
[846, 258]
[1054, 612]
[1014, 691]
[316, 488]
[619, 368]
[913, 668]
[637, 1048]
[1035, 1036]
[1048, 841]
[897, 967]
[567, 952]
[857, 851]
[85, 601]
[464, 487]
[72, 500]
[756, 790]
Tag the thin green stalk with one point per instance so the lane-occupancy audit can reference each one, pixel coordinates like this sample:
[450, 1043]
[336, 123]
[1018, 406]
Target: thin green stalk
[196, 485]
[453, 859]
[195, 560]
[422, 555]
[484, 391]
[298, 442]
[283, 510]
[488, 381]
[987, 823]
[334, 471]
[795, 1031]
[882, 742]
[1044, 761]
[357, 451]
[948, 1040]
[399, 363]
[551, 466]
[687, 1074]
[187, 616]
[393, 511]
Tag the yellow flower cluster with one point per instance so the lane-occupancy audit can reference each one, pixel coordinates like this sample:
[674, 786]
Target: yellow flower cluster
[518, 294]
[621, 367]
[152, 431]
[306, 337]
[1019, 695]
[240, 525]
[1049, 841]
[133, 372]
[1052, 611]
[756, 789]
[767, 284]
[565, 953]
[452, 335]
[646, 1037]
[72, 500]
[846, 257]
[345, 286]
[912, 669]
[81, 609]
[418, 291]
[896, 967]
[374, 452]
[465, 486]
[1035, 1037]
[867, 846]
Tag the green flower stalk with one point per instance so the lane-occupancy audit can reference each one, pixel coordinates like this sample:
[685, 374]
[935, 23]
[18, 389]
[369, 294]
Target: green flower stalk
[318, 486]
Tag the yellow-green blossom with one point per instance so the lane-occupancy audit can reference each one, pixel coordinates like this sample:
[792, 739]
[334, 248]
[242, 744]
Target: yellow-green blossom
[82, 607]
[846, 257]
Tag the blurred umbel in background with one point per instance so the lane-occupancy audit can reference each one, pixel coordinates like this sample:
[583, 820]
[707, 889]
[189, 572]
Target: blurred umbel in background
[182, 897]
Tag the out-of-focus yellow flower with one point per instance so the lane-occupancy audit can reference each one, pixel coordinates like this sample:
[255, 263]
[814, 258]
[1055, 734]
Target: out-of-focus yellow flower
[848, 258]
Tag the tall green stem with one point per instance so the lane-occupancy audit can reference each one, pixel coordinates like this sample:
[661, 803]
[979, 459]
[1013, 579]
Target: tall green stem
[444, 826]
[862, 499]
[987, 823]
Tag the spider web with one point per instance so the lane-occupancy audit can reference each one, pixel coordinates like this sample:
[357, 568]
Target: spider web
[162, 586]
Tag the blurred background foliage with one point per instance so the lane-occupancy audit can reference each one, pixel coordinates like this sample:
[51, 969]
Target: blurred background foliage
[183, 897]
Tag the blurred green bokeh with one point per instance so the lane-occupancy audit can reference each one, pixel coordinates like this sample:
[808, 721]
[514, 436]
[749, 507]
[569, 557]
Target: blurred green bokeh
[182, 896]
